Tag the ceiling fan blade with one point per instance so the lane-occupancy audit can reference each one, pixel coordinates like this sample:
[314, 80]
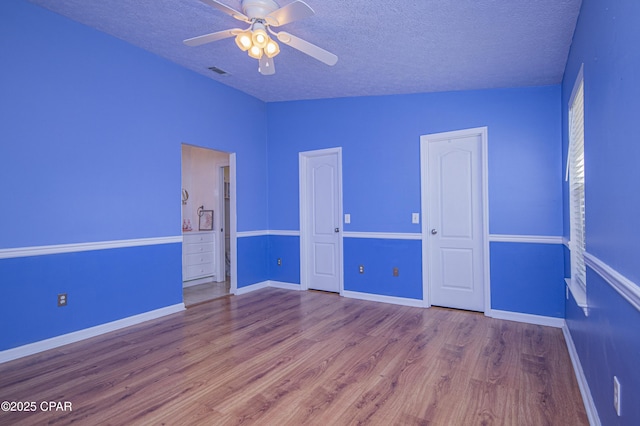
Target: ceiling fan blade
[308, 48]
[208, 38]
[226, 9]
[289, 13]
[267, 66]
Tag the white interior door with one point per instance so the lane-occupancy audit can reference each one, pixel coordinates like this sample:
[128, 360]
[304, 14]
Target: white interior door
[454, 226]
[320, 198]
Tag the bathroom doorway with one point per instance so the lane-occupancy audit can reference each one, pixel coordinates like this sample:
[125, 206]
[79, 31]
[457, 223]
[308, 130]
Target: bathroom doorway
[208, 225]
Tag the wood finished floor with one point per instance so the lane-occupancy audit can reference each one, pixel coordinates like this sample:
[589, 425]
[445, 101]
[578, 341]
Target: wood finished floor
[274, 357]
[196, 294]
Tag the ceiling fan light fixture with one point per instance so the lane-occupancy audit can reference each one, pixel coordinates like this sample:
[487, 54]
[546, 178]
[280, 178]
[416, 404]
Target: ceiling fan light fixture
[255, 52]
[259, 35]
[271, 49]
[243, 40]
[261, 15]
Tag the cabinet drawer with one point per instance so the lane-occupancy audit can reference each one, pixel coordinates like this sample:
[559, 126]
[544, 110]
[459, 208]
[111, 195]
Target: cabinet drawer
[205, 237]
[197, 248]
[196, 271]
[198, 258]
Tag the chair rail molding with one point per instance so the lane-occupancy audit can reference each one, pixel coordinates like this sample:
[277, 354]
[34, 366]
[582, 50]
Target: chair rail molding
[78, 247]
[623, 285]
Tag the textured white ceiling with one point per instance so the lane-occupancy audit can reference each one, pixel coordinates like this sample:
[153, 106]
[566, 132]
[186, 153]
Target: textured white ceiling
[384, 46]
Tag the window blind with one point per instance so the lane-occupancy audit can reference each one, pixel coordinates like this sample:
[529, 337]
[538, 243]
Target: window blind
[576, 185]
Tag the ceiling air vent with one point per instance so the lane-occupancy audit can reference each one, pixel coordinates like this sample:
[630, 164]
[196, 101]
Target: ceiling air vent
[218, 71]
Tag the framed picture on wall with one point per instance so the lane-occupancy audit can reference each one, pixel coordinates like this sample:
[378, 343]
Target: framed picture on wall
[206, 220]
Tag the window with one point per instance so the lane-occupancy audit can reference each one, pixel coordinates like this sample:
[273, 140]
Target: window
[575, 171]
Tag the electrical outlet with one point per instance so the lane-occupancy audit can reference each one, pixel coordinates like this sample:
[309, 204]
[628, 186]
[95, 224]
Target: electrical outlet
[616, 394]
[279, 262]
[396, 272]
[62, 299]
[361, 269]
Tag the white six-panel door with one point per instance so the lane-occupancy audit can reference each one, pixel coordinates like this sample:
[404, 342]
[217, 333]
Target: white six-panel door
[454, 226]
[320, 232]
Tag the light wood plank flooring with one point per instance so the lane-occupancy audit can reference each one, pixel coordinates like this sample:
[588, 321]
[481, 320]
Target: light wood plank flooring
[274, 357]
[196, 294]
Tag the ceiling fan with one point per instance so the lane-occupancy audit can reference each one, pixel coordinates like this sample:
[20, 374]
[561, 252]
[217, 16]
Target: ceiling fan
[261, 15]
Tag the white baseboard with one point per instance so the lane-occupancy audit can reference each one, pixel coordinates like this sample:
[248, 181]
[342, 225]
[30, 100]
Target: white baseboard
[252, 287]
[418, 303]
[350, 294]
[587, 399]
[286, 286]
[265, 284]
[76, 336]
[526, 318]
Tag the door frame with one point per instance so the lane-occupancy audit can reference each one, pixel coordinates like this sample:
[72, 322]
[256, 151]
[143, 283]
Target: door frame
[220, 221]
[305, 226]
[424, 202]
[233, 220]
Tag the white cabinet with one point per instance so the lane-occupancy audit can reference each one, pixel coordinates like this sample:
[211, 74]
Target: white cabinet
[198, 255]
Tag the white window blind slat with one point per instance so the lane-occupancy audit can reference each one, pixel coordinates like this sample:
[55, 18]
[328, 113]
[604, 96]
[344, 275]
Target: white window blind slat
[576, 186]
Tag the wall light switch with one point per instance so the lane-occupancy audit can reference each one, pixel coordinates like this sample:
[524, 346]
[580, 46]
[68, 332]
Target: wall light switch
[415, 217]
[347, 218]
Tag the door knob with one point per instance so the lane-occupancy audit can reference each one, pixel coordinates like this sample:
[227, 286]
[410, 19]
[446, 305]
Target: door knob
[434, 232]
[337, 230]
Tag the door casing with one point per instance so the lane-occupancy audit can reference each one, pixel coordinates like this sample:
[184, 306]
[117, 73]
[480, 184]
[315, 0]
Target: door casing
[233, 220]
[220, 221]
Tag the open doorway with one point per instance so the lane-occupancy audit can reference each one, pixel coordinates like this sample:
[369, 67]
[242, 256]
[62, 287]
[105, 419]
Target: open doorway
[207, 258]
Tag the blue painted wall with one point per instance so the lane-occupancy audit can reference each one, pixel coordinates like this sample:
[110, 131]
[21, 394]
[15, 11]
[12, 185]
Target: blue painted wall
[608, 343]
[528, 278]
[254, 268]
[379, 257]
[102, 286]
[287, 249]
[380, 138]
[91, 151]
[92, 129]
[262, 254]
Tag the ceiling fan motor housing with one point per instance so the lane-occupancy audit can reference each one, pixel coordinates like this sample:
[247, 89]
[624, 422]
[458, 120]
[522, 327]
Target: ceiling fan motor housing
[258, 9]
